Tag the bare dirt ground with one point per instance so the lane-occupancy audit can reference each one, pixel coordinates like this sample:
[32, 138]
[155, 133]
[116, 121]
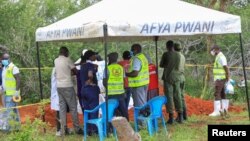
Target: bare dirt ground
[195, 106]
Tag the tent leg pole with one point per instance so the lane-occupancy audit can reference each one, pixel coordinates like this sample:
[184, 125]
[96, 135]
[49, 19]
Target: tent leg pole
[105, 31]
[40, 79]
[245, 76]
[156, 58]
[39, 71]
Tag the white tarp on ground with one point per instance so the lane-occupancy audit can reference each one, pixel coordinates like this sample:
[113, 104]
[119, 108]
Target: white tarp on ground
[140, 19]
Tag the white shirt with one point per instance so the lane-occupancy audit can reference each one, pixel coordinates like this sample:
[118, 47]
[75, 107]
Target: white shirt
[99, 74]
[100, 71]
[14, 72]
[54, 104]
[222, 59]
[78, 67]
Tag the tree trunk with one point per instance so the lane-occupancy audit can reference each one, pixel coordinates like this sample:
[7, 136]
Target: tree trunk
[199, 2]
[223, 5]
[208, 75]
[212, 3]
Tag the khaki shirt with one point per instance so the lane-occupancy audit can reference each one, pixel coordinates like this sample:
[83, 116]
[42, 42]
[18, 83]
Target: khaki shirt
[63, 67]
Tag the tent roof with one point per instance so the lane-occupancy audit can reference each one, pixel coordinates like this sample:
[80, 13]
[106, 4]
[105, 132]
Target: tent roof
[140, 20]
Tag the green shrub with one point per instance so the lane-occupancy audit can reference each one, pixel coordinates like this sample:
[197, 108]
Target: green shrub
[29, 131]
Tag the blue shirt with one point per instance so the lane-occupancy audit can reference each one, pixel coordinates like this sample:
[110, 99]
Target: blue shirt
[136, 64]
[85, 68]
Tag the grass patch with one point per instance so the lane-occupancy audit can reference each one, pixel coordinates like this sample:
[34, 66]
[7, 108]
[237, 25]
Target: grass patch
[195, 129]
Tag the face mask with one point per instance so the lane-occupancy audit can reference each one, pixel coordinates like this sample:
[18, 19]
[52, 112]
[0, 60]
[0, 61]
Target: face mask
[131, 53]
[212, 53]
[5, 62]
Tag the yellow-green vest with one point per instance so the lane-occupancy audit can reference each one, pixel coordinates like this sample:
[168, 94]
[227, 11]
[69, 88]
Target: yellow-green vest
[10, 81]
[218, 70]
[143, 77]
[115, 79]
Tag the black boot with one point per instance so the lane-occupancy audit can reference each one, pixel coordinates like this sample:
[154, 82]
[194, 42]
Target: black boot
[179, 119]
[171, 118]
[222, 114]
[226, 115]
[184, 114]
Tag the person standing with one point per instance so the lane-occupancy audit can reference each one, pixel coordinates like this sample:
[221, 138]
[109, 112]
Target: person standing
[99, 74]
[54, 104]
[153, 89]
[1, 98]
[90, 90]
[178, 49]
[114, 82]
[78, 64]
[11, 87]
[138, 76]
[125, 63]
[170, 61]
[64, 68]
[221, 76]
[1, 87]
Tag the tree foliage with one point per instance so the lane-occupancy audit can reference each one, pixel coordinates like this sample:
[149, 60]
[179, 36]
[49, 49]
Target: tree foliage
[19, 20]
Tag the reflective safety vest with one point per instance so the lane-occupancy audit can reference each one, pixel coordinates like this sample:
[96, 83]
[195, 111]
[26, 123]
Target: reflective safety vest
[218, 70]
[115, 79]
[143, 77]
[10, 81]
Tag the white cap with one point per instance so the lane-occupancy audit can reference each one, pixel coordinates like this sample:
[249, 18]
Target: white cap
[83, 51]
[79, 60]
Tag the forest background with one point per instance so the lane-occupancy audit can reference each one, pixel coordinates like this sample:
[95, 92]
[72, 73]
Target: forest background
[19, 20]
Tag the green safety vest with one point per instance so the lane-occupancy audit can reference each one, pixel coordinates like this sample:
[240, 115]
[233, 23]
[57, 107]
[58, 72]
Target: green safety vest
[10, 81]
[115, 79]
[218, 70]
[143, 77]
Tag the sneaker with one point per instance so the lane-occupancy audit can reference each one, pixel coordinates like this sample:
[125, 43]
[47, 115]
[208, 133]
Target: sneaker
[58, 133]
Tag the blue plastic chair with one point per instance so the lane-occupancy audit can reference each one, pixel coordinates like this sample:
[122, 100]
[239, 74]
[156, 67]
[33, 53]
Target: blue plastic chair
[112, 105]
[155, 105]
[101, 122]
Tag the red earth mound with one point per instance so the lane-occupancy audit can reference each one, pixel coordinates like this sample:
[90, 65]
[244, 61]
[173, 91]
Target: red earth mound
[195, 106]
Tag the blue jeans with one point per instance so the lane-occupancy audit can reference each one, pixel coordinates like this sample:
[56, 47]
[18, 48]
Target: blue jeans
[12, 114]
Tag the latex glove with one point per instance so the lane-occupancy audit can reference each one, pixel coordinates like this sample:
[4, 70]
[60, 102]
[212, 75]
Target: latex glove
[17, 93]
[1, 90]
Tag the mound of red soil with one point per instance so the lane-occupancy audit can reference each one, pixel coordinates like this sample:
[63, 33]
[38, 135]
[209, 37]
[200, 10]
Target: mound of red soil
[195, 106]
[32, 112]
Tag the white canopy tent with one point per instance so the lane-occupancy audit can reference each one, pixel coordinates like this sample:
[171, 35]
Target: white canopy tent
[128, 20]
[139, 19]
